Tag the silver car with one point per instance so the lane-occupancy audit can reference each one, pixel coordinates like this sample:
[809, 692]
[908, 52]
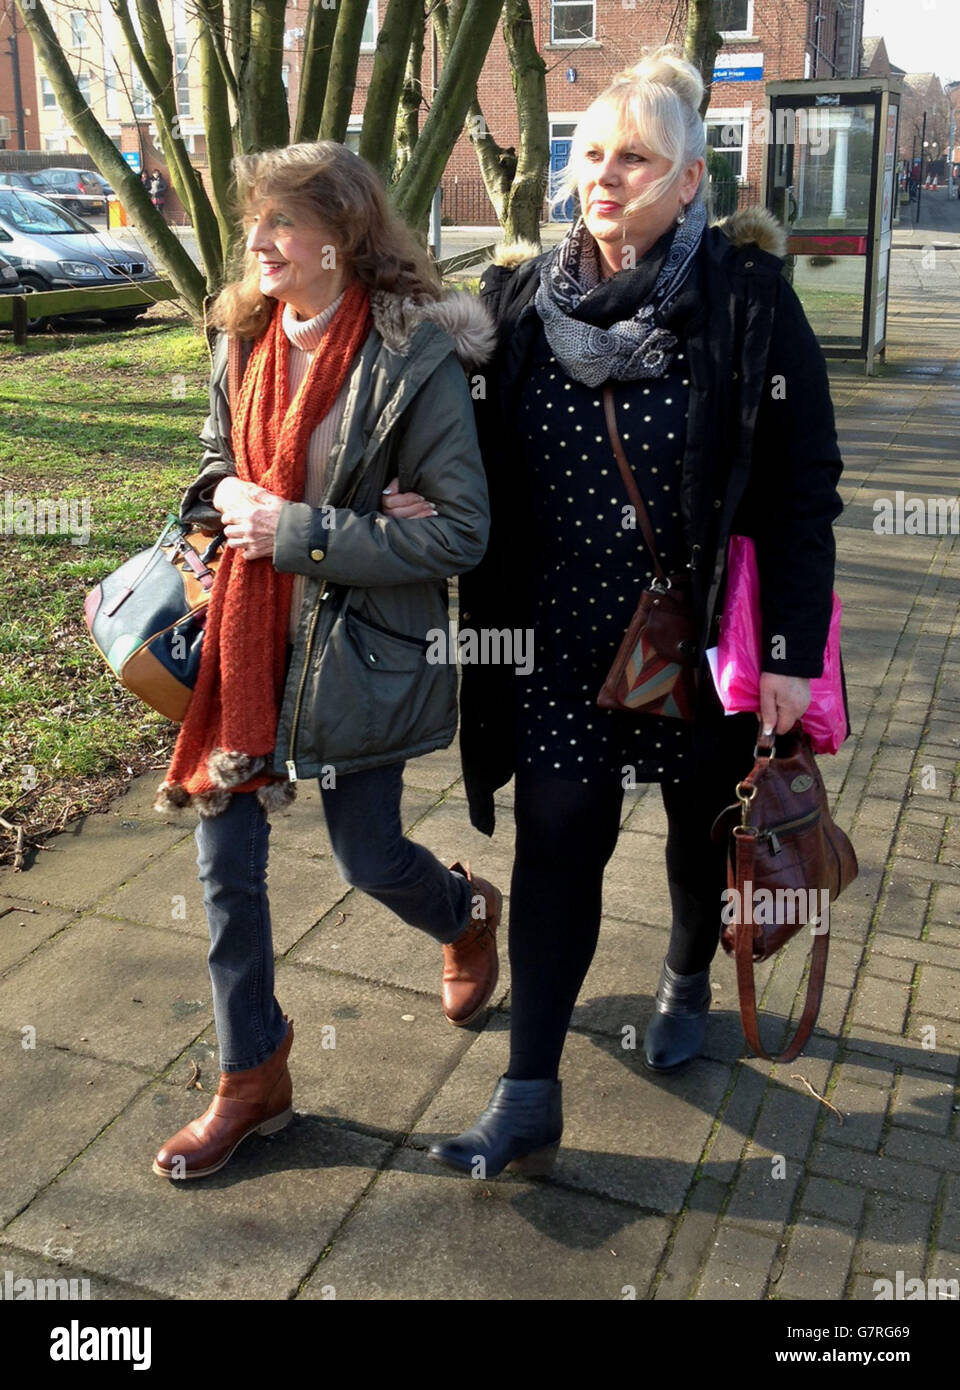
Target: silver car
[53, 249]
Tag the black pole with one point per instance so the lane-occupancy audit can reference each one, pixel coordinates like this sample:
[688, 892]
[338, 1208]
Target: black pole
[17, 90]
[923, 144]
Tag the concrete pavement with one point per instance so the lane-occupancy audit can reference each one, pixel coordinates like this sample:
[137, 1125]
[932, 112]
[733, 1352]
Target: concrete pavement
[730, 1182]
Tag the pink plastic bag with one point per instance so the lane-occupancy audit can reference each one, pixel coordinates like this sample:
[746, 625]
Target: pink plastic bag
[738, 654]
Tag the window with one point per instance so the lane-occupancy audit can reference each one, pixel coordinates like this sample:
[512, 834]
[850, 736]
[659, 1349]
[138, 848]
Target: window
[111, 84]
[53, 144]
[183, 79]
[369, 41]
[726, 134]
[733, 18]
[83, 83]
[78, 29]
[354, 127]
[285, 77]
[49, 95]
[142, 100]
[572, 21]
[180, 58]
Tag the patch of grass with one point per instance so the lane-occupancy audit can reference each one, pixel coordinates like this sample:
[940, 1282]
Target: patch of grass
[111, 421]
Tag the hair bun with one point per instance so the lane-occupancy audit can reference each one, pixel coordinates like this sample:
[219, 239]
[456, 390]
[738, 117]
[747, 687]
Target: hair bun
[667, 67]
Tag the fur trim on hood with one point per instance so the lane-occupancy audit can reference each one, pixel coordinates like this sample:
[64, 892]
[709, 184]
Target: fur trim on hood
[750, 226]
[460, 314]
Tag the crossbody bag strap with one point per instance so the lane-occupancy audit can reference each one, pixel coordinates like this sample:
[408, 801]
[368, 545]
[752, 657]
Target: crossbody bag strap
[633, 492]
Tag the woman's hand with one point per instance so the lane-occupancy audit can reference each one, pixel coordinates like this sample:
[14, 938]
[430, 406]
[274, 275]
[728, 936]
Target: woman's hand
[401, 505]
[249, 515]
[783, 699]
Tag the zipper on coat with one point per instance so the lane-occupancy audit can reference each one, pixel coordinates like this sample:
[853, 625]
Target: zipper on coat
[291, 764]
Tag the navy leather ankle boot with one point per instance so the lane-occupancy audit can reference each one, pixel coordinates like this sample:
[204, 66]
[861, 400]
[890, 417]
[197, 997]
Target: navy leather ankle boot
[678, 1027]
[520, 1129]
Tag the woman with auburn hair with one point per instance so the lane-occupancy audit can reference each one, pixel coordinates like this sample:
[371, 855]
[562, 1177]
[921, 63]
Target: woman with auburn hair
[314, 660]
[686, 341]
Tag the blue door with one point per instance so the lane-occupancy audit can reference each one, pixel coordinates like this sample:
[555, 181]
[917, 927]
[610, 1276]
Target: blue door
[559, 157]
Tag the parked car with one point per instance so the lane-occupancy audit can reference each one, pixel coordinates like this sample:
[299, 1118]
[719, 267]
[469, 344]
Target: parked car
[78, 190]
[9, 279]
[53, 249]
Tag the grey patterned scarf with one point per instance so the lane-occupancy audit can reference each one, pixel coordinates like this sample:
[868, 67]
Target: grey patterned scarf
[633, 347]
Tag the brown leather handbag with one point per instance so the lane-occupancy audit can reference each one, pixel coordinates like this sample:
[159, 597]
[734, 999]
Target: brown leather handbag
[787, 863]
[655, 669]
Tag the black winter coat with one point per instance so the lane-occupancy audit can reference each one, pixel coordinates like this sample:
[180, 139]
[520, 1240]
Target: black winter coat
[761, 460]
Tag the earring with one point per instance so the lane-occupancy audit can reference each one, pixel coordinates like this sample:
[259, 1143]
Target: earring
[682, 215]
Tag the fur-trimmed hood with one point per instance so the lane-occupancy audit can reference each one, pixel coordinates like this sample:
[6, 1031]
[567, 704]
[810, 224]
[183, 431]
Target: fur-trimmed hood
[459, 313]
[748, 227]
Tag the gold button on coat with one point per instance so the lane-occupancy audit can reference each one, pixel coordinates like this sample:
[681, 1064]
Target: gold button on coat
[317, 554]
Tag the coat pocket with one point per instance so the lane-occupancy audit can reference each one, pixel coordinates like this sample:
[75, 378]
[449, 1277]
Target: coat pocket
[409, 699]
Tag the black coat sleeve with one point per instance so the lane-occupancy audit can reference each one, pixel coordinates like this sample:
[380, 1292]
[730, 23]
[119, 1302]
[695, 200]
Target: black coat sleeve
[792, 498]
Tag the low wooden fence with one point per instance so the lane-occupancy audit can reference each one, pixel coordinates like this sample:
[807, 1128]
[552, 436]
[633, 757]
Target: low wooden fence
[50, 303]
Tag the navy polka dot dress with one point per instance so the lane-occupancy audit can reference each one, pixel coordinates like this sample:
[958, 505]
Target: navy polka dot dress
[591, 568]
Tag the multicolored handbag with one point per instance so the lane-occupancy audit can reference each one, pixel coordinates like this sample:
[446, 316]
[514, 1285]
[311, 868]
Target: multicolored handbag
[147, 618]
[655, 669]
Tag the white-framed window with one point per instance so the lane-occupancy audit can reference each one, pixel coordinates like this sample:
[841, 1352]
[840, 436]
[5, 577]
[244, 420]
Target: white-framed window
[354, 127]
[285, 77]
[78, 29]
[48, 94]
[573, 21]
[370, 29]
[733, 18]
[54, 144]
[83, 84]
[142, 100]
[180, 58]
[728, 133]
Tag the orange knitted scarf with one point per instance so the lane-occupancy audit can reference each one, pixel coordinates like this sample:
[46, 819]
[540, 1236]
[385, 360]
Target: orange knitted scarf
[229, 733]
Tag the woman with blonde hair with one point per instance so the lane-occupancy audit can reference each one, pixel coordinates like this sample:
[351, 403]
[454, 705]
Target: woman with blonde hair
[314, 659]
[720, 409]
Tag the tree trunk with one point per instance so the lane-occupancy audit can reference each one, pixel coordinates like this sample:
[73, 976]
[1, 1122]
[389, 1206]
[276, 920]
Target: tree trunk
[216, 124]
[342, 81]
[264, 114]
[524, 207]
[317, 45]
[451, 101]
[154, 62]
[701, 44]
[164, 244]
[411, 96]
[386, 82]
[515, 181]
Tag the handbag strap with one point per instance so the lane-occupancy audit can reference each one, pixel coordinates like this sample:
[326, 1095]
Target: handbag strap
[633, 492]
[746, 984]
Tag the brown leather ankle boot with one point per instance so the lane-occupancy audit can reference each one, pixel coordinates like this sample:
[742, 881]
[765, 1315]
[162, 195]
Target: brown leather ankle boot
[470, 964]
[256, 1100]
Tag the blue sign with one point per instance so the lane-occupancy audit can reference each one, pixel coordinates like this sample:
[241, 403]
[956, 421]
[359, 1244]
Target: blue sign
[738, 67]
[133, 159]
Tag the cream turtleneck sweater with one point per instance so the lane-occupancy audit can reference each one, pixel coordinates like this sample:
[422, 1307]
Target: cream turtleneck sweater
[304, 336]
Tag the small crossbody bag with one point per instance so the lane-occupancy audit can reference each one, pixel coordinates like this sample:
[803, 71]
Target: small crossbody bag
[655, 669]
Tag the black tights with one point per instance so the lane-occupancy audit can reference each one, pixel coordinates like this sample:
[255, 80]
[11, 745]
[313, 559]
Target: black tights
[566, 833]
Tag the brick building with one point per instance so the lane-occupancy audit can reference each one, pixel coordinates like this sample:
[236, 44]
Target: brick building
[586, 42]
[19, 126]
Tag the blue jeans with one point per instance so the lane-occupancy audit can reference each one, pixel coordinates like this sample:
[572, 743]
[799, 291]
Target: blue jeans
[363, 821]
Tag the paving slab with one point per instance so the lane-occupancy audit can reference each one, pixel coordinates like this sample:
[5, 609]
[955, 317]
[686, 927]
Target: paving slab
[514, 1240]
[254, 1230]
[24, 927]
[55, 1104]
[111, 990]
[90, 857]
